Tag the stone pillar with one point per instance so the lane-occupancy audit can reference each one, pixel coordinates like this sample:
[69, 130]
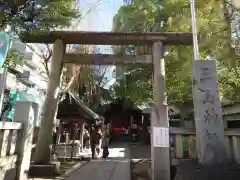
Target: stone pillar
[160, 152]
[82, 135]
[59, 132]
[208, 114]
[73, 152]
[24, 114]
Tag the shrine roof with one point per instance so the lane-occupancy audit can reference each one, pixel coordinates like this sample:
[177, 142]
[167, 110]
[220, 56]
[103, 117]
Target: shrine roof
[71, 106]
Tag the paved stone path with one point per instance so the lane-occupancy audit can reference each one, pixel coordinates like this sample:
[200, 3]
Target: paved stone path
[115, 167]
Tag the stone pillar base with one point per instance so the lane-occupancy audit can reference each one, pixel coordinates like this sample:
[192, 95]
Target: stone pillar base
[191, 169]
[173, 172]
[45, 170]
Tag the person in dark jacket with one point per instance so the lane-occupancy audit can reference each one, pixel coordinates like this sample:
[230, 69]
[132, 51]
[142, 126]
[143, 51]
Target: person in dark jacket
[95, 140]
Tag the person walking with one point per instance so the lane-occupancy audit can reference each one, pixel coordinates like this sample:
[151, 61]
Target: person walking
[98, 141]
[96, 136]
[105, 141]
[86, 138]
[93, 139]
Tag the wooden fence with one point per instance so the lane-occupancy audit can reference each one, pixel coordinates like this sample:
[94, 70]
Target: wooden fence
[185, 146]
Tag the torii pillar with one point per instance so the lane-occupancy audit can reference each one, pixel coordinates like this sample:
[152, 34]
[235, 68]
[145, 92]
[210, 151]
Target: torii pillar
[42, 155]
[160, 150]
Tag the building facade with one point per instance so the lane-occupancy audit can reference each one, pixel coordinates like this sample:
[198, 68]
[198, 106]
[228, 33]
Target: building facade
[26, 82]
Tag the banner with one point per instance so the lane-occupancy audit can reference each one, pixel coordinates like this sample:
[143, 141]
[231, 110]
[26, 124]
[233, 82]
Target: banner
[4, 47]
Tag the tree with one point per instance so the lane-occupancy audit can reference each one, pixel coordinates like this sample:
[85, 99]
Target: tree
[13, 59]
[214, 33]
[37, 14]
[136, 85]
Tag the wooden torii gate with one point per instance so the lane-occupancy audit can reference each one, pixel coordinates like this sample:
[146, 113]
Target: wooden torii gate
[160, 126]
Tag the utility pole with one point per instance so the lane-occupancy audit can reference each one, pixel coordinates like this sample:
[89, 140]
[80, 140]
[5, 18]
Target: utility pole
[194, 30]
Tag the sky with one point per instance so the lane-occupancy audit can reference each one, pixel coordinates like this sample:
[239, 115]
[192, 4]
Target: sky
[98, 16]
[101, 14]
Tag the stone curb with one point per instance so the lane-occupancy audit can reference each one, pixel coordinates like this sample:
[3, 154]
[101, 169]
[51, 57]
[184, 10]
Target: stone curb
[72, 169]
[66, 174]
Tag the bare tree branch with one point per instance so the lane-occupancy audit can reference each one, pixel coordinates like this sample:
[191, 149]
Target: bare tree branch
[43, 57]
[97, 4]
[103, 73]
[73, 78]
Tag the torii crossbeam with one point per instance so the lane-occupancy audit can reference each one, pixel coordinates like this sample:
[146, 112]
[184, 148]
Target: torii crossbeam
[108, 38]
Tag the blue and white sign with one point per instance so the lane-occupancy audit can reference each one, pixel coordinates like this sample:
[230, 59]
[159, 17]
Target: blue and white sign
[4, 47]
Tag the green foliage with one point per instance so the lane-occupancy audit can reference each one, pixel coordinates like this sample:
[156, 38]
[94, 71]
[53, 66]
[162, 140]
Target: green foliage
[13, 59]
[40, 14]
[229, 83]
[35, 16]
[216, 41]
[135, 85]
